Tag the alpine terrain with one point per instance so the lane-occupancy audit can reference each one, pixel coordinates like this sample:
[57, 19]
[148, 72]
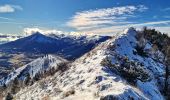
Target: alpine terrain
[133, 65]
[20, 52]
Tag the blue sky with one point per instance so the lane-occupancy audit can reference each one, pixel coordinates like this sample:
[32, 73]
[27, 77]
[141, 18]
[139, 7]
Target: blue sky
[84, 16]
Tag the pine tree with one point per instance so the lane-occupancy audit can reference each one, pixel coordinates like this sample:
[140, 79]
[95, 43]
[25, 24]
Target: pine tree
[15, 86]
[167, 72]
[9, 97]
[27, 79]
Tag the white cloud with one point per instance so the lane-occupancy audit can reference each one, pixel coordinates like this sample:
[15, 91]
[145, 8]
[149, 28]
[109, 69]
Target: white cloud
[17, 7]
[112, 30]
[29, 31]
[5, 18]
[166, 9]
[153, 23]
[95, 19]
[142, 8]
[165, 29]
[113, 20]
[9, 8]
[17, 23]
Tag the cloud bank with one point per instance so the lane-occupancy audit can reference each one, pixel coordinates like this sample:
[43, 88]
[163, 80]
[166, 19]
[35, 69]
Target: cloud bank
[113, 20]
[99, 18]
[30, 31]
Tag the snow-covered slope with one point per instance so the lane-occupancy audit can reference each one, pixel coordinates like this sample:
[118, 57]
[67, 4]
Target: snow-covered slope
[37, 66]
[88, 79]
[125, 46]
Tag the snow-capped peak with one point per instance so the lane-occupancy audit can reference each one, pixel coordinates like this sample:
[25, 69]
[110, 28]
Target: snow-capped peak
[38, 37]
[129, 30]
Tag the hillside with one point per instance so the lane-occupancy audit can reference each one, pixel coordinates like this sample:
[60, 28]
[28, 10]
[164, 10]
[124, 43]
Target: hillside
[38, 66]
[116, 69]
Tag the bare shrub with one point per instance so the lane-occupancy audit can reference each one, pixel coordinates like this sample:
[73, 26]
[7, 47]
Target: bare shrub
[68, 93]
[130, 70]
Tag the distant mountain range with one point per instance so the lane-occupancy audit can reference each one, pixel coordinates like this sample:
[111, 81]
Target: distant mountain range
[17, 53]
[70, 47]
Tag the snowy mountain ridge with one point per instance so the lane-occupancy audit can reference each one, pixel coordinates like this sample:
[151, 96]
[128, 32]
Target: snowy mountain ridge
[71, 35]
[33, 68]
[115, 69]
[73, 47]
